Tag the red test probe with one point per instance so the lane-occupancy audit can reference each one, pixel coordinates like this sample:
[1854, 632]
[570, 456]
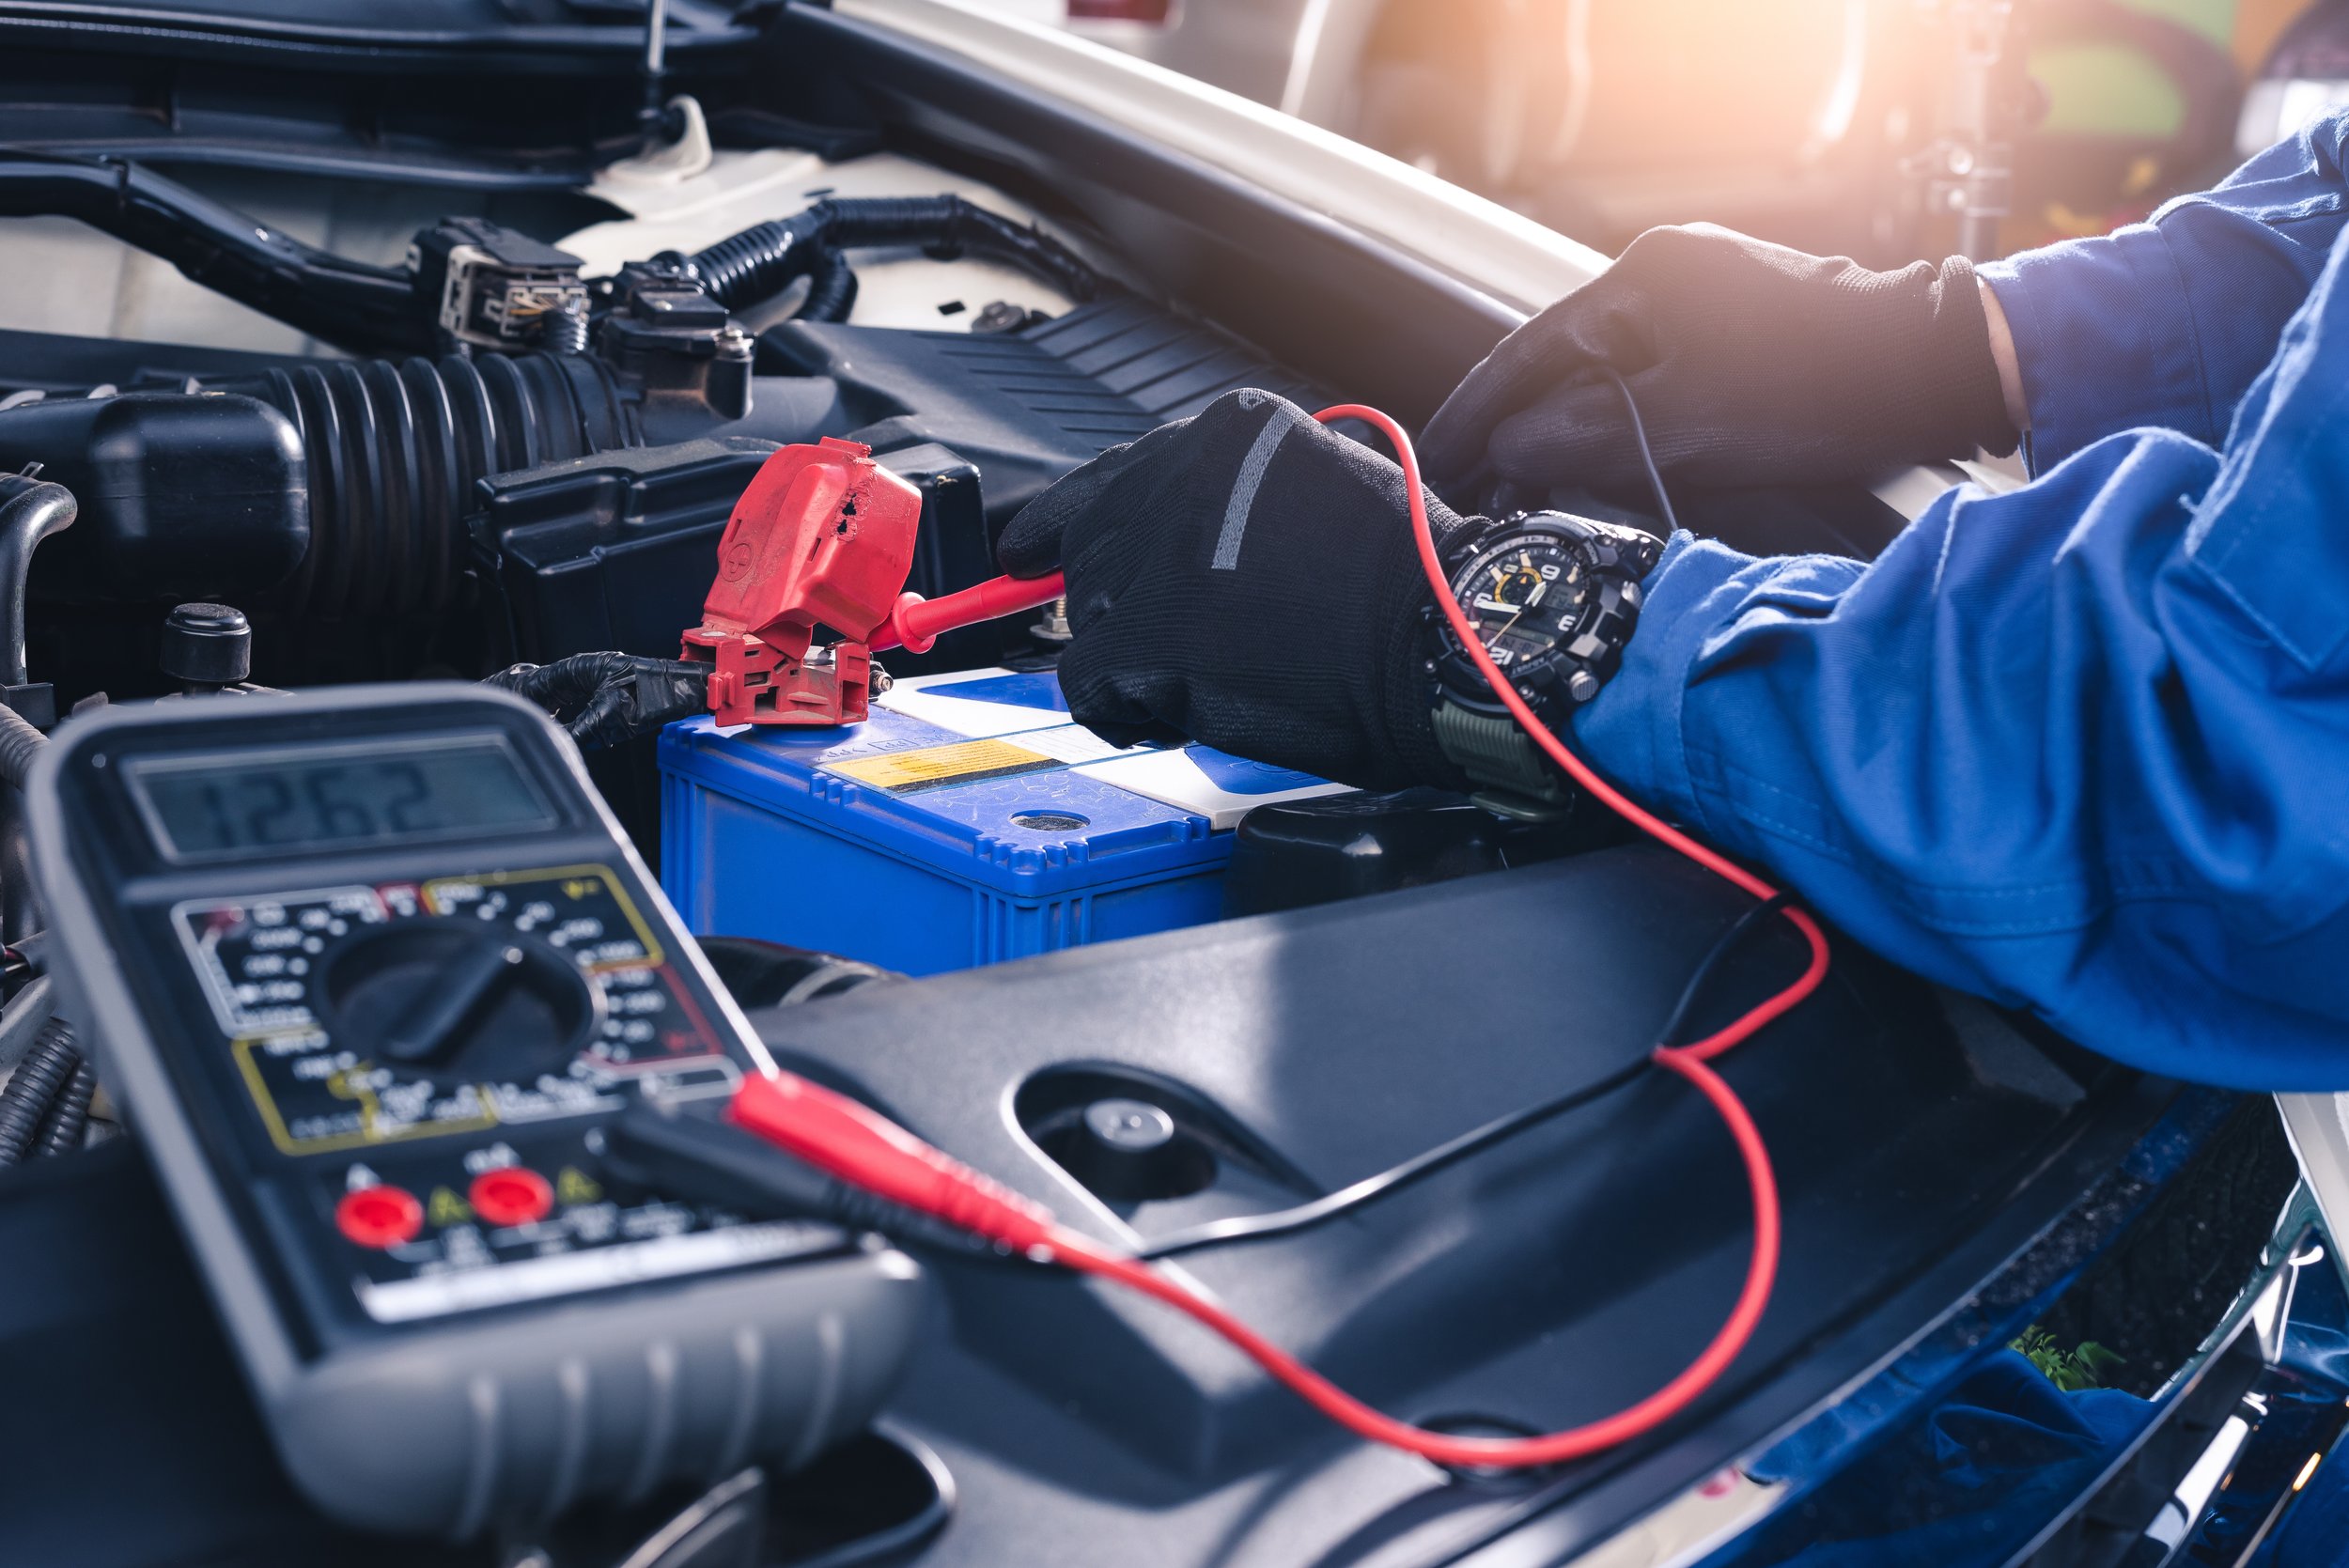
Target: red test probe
[845, 1140]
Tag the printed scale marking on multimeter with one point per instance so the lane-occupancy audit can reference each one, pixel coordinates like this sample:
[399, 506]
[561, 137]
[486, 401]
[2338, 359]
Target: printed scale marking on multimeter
[343, 1050]
[310, 989]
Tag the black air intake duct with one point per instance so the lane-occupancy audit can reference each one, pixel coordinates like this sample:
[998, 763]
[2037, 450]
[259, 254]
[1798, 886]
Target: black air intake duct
[396, 448]
[334, 487]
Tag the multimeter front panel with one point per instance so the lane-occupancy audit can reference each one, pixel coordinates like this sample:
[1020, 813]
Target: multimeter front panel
[410, 978]
[370, 969]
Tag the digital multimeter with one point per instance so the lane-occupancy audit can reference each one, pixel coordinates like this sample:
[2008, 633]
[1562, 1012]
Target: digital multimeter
[369, 968]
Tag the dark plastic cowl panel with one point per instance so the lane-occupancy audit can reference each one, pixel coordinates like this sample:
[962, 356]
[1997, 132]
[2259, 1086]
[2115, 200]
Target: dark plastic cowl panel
[1539, 1286]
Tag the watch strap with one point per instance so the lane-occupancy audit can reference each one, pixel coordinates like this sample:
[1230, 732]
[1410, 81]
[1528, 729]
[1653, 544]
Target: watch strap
[1499, 757]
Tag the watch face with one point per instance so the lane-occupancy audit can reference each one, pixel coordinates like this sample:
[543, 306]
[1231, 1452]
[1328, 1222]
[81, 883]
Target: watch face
[1525, 595]
[1553, 597]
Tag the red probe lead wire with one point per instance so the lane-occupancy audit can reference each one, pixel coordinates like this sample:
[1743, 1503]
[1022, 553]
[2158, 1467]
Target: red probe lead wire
[1083, 1253]
[844, 1138]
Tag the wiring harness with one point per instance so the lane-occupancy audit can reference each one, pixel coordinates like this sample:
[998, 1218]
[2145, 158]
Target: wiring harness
[763, 260]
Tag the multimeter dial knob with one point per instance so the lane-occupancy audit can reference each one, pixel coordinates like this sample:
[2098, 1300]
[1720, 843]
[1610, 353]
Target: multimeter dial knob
[457, 997]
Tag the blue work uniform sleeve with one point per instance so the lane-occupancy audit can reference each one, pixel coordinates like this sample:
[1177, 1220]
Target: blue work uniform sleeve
[2165, 323]
[2082, 747]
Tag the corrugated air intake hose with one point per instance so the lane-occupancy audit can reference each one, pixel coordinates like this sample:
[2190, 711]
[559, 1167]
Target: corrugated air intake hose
[394, 448]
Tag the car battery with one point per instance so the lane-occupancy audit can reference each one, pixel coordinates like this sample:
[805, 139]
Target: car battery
[967, 822]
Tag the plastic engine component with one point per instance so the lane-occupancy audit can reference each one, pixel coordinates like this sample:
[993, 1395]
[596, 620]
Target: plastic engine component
[613, 551]
[1303, 852]
[1559, 1277]
[1028, 405]
[180, 497]
[616, 551]
[207, 645]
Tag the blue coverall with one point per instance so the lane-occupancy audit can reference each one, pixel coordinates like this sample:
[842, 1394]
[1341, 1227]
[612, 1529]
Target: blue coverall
[2084, 746]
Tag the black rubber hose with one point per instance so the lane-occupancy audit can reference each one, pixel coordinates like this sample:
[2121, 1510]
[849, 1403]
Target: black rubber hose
[36, 1083]
[31, 509]
[20, 743]
[352, 304]
[831, 287]
[62, 1132]
[379, 473]
[20, 904]
[764, 260]
[394, 448]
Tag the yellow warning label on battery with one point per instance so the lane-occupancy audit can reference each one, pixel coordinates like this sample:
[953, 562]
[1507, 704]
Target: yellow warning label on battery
[964, 762]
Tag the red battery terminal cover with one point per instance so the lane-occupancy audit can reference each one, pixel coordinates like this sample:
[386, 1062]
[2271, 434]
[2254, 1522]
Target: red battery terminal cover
[824, 538]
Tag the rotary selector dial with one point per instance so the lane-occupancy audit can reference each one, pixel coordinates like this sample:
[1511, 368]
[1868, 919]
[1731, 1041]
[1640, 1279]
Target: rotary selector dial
[460, 996]
[364, 1015]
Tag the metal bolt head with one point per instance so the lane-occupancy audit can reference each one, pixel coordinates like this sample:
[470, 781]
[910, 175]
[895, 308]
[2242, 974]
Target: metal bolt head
[1130, 1126]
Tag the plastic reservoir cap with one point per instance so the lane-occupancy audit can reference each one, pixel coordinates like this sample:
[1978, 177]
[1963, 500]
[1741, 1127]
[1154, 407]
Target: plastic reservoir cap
[207, 644]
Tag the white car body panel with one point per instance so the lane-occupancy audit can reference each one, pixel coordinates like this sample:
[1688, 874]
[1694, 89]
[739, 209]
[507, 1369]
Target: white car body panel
[1478, 242]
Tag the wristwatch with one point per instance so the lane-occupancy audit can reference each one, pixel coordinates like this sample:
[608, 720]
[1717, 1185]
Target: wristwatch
[1554, 597]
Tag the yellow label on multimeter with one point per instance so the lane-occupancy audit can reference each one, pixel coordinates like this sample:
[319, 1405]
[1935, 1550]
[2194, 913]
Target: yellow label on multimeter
[963, 762]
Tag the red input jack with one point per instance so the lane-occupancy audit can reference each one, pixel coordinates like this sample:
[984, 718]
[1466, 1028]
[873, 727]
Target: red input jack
[845, 1140]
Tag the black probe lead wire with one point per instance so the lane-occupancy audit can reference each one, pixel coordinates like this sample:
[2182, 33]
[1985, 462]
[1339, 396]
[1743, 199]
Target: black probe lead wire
[1385, 1184]
[1647, 453]
[1288, 1221]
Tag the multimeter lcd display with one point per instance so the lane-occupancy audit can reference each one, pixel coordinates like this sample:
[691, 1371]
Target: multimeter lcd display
[209, 806]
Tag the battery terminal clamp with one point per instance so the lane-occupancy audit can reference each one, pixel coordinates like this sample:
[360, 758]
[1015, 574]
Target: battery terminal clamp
[823, 537]
[823, 541]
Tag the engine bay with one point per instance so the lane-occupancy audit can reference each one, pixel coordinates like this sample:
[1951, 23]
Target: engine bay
[353, 455]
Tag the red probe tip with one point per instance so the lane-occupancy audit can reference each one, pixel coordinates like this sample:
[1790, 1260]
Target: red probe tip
[905, 638]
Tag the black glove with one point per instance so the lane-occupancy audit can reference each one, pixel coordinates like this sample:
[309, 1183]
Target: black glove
[1248, 578]
[1751, 364]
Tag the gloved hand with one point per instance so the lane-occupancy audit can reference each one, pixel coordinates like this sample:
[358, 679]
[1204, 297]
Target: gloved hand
[1247, 577]
[1751, 364]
